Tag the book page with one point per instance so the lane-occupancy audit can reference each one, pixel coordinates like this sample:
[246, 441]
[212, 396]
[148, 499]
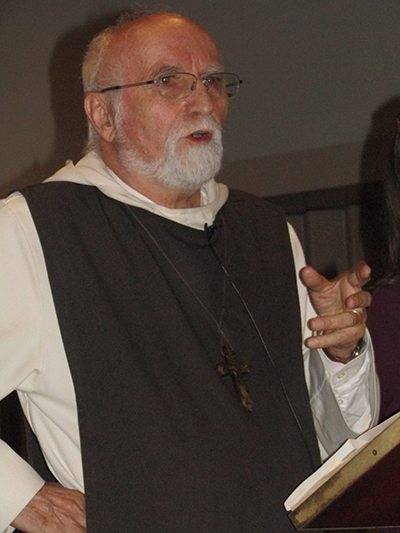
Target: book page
[346, 452]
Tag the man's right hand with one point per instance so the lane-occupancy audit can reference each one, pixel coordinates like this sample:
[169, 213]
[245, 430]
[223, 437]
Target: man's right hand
[53, 509]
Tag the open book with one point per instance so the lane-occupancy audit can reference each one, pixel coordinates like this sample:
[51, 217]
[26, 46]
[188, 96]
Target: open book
[337, 494]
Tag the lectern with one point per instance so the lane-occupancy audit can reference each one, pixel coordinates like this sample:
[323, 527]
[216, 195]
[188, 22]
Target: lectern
[362, 488]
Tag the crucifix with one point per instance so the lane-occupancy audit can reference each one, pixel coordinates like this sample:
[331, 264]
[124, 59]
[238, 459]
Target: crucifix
[234, 368]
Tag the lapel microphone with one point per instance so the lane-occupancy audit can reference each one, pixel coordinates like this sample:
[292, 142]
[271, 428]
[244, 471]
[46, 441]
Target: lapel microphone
[210, 231]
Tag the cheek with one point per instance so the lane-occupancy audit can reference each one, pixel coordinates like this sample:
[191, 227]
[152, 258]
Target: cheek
[147, 128]
[159, 120]
[155, 130]
[221, 111]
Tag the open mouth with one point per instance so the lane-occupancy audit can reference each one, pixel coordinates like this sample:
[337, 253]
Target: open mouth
[201, 135]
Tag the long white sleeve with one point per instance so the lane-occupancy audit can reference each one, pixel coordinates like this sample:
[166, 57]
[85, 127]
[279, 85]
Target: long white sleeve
[30, 343]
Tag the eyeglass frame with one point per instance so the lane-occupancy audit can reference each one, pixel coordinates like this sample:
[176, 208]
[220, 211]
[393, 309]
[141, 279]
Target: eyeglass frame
[157, 80]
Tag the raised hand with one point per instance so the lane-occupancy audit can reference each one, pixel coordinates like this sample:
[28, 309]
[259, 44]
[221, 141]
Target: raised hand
[340, 306]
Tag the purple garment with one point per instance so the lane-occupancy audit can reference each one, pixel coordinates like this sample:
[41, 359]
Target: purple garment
[384, 325]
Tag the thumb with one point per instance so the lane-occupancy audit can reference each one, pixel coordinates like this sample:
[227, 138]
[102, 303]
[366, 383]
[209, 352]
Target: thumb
[312, 280]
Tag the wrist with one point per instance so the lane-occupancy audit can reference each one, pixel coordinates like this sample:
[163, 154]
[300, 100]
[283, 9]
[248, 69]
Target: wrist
[338, 358]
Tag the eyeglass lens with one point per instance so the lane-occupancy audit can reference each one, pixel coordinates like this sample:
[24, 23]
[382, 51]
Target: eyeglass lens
[179, 85]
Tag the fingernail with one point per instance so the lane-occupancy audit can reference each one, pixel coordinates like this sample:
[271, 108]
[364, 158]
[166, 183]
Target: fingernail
[312, 342]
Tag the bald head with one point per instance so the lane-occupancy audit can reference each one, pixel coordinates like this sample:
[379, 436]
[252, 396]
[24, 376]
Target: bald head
[118, 50]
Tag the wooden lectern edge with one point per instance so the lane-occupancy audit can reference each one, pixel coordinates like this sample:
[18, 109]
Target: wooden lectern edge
[346, 476]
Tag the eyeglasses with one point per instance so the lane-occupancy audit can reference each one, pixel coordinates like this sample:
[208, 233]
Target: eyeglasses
[181, 84]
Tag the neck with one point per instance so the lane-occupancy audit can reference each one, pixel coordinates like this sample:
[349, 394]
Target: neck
[171, 198]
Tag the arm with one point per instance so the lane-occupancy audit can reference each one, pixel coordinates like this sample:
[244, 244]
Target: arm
[22, 491]
[18, 484]
[344, 404]
[384, 325]
[18, 481]
[53, 509]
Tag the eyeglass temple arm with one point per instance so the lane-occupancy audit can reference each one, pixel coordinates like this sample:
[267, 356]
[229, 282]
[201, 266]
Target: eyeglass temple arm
[117, 87]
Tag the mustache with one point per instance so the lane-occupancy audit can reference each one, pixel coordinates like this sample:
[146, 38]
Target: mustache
[204, 123]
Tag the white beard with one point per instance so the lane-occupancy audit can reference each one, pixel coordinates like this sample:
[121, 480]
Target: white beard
[186, 170]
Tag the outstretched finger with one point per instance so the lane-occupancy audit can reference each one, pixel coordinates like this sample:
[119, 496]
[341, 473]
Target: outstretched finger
[359, 275]
[360, 299]
[313, 280]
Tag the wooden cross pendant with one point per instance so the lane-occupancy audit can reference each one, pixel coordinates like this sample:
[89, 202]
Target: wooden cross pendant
[234, 368]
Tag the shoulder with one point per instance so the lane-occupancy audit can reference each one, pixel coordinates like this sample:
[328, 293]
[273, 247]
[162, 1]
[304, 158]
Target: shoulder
[251, 201]
[19, 240]
[55, 200]
[56, 189]
[14, 212]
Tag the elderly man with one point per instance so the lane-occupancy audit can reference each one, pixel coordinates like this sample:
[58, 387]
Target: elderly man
[154, 321]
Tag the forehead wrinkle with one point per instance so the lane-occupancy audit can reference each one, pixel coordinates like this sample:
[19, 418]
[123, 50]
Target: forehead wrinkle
[134, 43]
[124, 49]
[172, 69]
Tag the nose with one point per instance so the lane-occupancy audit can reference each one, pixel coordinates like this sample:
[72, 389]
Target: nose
[200, 99]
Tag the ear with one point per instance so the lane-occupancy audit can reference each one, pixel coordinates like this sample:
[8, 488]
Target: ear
[98, 112]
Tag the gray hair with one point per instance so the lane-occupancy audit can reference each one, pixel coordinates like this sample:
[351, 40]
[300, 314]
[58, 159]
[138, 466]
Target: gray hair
[96, 73]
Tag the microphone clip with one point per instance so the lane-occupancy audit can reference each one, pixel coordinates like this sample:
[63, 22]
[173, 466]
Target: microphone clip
[210, 231]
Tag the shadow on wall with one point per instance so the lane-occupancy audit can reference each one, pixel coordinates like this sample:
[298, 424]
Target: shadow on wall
[373, 168]
[339, 226]
[66, 103]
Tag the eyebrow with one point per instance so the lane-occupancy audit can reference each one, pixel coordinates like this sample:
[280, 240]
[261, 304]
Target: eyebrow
[166, 69]
[172, 69]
